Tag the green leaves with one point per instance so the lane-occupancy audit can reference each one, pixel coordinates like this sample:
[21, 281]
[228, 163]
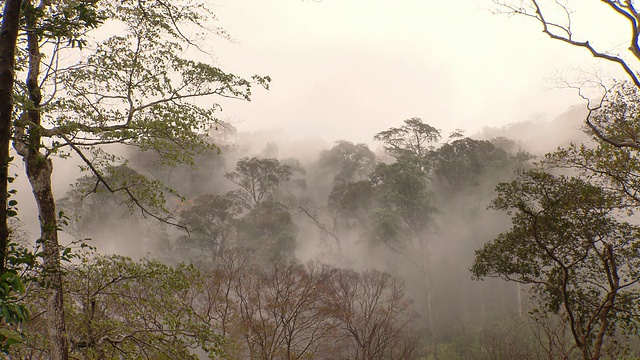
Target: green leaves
[12, 309]
[350, 162]
[414, 140]
[136, 309]
[569, 242]
[259, 178]
[139, 87]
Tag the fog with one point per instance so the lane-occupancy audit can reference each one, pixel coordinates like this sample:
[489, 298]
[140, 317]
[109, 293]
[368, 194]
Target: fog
[461, 223]
[343, 69]
[346, 70]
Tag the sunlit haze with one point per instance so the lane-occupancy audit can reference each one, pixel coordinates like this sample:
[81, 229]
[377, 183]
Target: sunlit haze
[348, 68]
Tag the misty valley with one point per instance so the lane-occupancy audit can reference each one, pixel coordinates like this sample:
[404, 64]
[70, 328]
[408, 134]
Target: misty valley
[141, 221]
[340, 252]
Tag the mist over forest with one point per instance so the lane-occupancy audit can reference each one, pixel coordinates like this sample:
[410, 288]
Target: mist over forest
[312, 219]
[143, 220]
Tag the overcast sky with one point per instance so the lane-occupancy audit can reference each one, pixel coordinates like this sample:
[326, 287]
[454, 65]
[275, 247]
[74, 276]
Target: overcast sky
[345, 69]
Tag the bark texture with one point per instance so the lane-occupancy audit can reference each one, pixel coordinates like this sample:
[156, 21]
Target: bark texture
[8, 37]
[39, 171]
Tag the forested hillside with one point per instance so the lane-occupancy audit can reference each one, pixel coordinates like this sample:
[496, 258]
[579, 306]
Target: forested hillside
[181, 237]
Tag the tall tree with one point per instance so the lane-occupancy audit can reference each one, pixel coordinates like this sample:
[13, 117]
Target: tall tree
[569, 243]
[404, 209]
[211, 221]
[415, 140]
[8, 38]
[259, 178]
[134, 88]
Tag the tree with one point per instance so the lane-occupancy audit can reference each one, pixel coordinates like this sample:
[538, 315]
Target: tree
[569, 244]
[222, 308]
[8, 39]
[259, 178]
[117, 307]
[283, 316]
[374, 316]
[351, 190]
[403, 209]
[556, 19]
[211, 222]
[134, 88]
[269, 230]
[413, 141]
[350, 162]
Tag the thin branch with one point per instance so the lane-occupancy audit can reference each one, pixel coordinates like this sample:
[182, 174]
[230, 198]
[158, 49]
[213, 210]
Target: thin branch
[136, 201]
[322, 227]
[583, 44]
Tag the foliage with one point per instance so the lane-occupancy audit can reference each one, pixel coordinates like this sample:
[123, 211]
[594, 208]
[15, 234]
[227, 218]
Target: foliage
[136, 88]
[259, 178]
[83, 199]
[569, 243]
[12, 291]
[268, 229]
[413, 141]
[402, 187]
[351, 162]
[237, 308]
[18, 262]
[613, 167]
[211, 222]
[461, 162]
[119, 307]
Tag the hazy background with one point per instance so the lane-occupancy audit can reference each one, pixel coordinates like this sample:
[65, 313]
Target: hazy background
[343, 67]
[347, 69]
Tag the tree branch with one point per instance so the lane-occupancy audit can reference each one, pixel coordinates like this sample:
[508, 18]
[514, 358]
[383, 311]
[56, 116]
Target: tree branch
[132, 197]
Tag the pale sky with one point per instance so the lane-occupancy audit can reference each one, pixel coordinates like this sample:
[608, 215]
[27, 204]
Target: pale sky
[346, 69]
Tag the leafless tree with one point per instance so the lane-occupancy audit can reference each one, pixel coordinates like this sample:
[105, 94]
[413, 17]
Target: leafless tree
[374, 315]
[281, 312]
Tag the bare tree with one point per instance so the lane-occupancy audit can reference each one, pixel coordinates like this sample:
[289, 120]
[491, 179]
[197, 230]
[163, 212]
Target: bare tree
[281, 311]
[221, 306]
[374, 315]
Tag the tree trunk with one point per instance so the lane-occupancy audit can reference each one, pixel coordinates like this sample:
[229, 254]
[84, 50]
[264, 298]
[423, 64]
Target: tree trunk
[427, 284]
[8, 37]
[39, 170]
